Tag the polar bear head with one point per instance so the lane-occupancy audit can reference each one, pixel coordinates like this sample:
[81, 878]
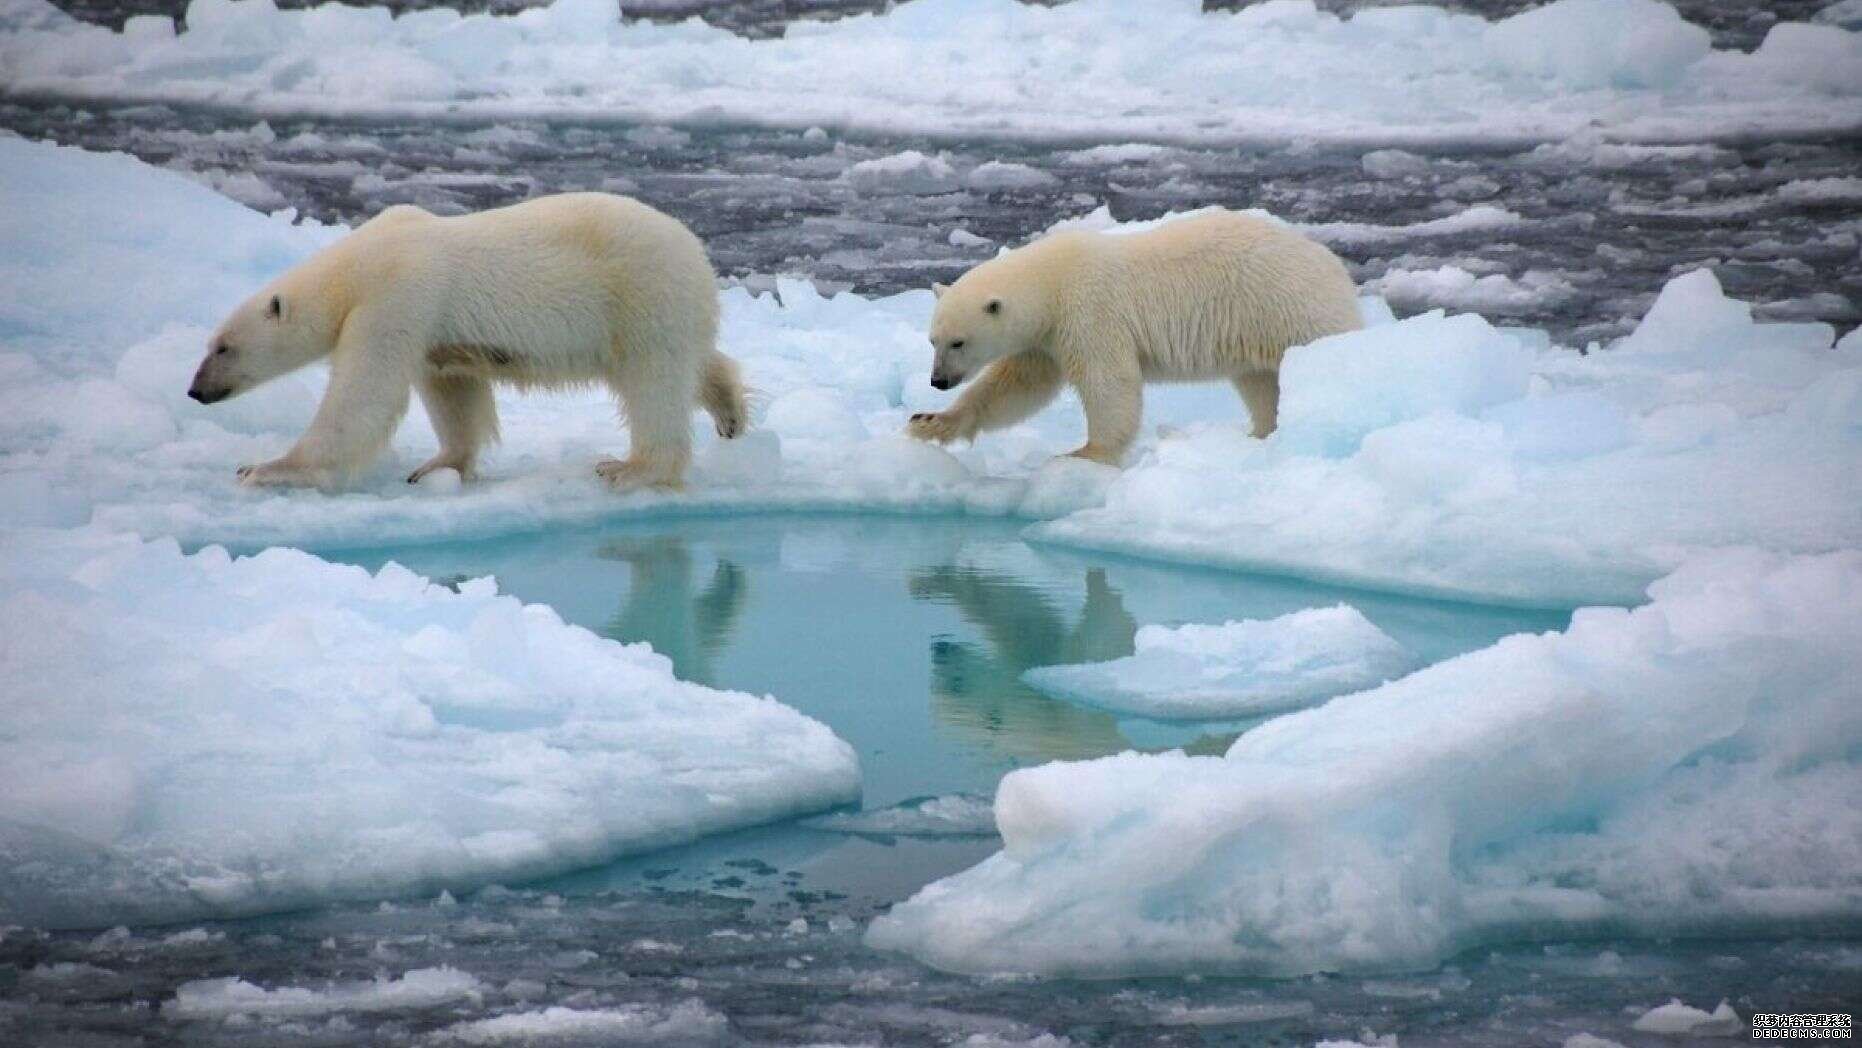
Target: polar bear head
[996, 310]
[278, 330]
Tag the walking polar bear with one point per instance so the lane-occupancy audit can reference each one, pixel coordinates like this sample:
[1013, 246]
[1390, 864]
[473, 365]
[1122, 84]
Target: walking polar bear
[1217, 295]
[559, 291]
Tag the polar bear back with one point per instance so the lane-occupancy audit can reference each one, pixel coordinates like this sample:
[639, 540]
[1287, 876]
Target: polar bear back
[549, 291]
[1210, 295]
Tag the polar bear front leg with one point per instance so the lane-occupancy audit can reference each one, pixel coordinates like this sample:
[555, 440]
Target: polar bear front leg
[1008, 391]
[1112, 392]
[464, 415]
[367, 395]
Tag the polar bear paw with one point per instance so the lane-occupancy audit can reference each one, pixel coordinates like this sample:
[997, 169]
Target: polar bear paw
[940, 427]
[457, 463]
[279, 474]
[633, 474]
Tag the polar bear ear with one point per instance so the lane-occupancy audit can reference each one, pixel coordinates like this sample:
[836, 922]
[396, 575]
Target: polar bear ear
[937, 290]
[994, 307]
[275, 308]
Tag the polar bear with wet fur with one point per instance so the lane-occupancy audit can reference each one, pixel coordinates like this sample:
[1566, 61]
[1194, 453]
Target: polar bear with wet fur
[565, 290]
[1217, 295]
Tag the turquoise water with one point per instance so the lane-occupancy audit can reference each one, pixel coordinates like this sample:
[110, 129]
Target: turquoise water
[909, 637]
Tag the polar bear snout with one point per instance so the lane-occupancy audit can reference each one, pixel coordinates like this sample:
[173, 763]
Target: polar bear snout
[206, 391]
[210, 385]
[944, 376]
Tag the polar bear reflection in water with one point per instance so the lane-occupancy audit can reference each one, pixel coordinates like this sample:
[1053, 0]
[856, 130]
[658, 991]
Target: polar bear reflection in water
[913, 650]
[666, 607]
[977, 690]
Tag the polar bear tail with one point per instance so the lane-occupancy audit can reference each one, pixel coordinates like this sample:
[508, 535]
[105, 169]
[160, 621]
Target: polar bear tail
[721, 394]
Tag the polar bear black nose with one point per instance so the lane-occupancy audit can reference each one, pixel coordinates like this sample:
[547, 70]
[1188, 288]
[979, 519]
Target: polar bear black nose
[940, 382]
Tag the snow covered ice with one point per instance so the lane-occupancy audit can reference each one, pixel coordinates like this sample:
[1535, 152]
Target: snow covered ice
[202, 735]
[1488, 464]
[1442, 455]
[1235, 669]
[1278, 70]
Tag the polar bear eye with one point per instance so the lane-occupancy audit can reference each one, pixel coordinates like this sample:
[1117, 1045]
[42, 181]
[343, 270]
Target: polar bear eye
[956, 343]
[994, 307]
[222, 350]
[275, 309]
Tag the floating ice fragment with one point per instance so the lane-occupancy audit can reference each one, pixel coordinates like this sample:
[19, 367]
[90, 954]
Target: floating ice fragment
[1680, 1020]
[1235, 669]
[420, 988]
[951, 815]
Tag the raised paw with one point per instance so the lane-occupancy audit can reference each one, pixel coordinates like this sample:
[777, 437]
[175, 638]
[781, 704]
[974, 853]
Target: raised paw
[632, 474]
[937, 427]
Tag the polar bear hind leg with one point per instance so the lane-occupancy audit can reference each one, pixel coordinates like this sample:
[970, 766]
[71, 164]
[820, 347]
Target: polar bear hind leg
[1260, 390]
[657, 385]
[464, 416]
[721, 393]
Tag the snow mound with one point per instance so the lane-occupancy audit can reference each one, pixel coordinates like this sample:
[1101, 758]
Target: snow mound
[1237, 669]
[64, 213]
[203, 736]
[1686, 767]
[1599, 43]
[1456, 288]
[1111, 70]
[953, 815]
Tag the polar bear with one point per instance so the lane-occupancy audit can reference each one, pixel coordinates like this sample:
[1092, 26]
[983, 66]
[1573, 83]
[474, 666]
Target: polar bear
[1214, 295]
[563, 290]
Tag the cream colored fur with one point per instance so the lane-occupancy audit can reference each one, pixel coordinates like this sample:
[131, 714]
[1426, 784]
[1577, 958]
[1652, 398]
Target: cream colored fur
[559, 291]
[1215, 296]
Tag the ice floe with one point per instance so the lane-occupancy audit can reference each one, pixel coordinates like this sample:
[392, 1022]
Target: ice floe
[1684, 767]
[199, 735]
[421, 988]
[1107, 69]
[951, 815]
[1235, 669]
[1438, 454]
